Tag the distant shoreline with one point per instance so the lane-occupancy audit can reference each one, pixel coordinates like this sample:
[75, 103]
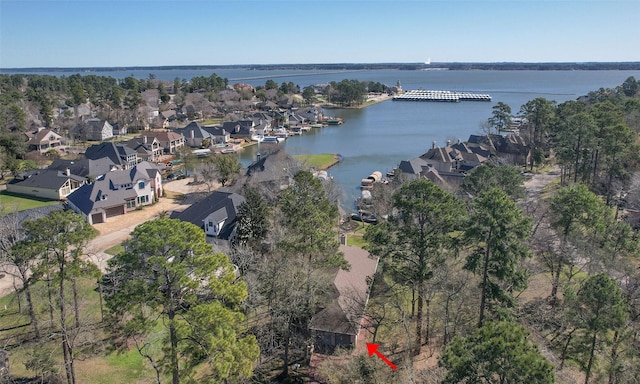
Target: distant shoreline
[548, 66]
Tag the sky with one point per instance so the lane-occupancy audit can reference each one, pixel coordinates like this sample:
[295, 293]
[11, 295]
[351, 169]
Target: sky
[126, 33]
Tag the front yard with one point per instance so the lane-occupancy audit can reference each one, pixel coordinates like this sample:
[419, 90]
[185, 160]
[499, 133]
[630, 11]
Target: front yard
[11, 202]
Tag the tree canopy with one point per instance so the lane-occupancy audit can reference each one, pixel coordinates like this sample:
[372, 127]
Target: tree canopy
[169, 277]
[498, 352]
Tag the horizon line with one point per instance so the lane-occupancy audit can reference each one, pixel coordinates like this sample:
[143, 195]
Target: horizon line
[430, 64]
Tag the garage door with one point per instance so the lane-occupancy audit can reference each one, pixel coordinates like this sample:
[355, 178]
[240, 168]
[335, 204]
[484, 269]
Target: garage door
[97, 218]
[114, 211]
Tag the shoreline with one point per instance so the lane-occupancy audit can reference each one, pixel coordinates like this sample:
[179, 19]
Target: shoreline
[370, 101]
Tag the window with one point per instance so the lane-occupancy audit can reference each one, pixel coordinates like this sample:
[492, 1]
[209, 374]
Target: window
[131, 204]
[141, 185]
[143, 199]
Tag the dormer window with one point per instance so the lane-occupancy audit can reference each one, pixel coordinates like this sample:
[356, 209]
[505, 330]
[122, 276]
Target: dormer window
[141, 185]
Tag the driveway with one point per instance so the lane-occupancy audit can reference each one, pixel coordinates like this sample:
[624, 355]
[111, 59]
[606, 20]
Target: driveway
[118, 229]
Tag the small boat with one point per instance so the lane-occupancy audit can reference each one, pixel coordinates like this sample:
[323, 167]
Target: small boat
[202, 152]
[365, 217]
[272, 139]
[257, 138]
[335, 121]
[228, 150]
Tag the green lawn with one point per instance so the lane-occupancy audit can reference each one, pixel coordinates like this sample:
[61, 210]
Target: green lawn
[319, 161]
[356, 240]
[11, 202]
[93, 364]
[115, 250]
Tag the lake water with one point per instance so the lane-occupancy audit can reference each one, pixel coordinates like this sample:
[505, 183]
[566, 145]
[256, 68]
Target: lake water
[378, 137]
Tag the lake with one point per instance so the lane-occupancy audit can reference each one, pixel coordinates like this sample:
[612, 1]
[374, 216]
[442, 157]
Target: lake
[378, 137]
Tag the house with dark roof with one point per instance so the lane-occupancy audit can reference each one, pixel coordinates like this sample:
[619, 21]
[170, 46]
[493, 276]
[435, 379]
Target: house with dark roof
[446, 166]
[45, 183]
[44, 140]
[312, 114]
[219, 134]
[118, 153]
[339, 323]
[147, 148]
[86, 168]
[215, 214]
[295, 120]
[194, 134]
[241, 129]
[275, 169]
[117, 193]
[119, 130]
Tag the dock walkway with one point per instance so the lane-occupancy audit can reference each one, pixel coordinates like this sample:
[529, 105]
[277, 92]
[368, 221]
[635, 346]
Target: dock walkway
[446, 96]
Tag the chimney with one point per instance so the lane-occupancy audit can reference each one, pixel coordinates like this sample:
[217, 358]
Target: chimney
[258, 156]
[144, 139]
[433, 144]
[193, 134]
[67, 172]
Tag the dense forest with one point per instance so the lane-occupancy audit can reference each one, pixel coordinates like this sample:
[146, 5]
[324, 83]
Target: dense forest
[488, 282]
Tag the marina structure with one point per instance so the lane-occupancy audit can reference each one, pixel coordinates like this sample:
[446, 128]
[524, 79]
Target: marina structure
[446, 96]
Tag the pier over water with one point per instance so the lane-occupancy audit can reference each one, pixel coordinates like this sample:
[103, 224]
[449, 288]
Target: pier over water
[447, 96]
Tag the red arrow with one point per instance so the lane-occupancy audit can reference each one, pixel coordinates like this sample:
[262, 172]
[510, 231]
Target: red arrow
[373, 348]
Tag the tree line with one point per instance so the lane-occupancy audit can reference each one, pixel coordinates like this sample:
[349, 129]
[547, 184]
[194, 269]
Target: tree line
[29, 101]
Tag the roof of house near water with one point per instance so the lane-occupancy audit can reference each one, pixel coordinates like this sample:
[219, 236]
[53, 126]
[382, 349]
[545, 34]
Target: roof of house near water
[117, 153]
[351, 288]
[222, 205]
[193, 130]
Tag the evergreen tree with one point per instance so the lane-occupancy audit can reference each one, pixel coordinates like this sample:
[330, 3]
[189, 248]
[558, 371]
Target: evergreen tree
[498, 352]
[170, 277]
[498, 229]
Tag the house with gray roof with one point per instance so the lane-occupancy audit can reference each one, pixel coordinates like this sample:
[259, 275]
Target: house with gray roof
[118, 153]
[241, 129]
[215, 214]
[446, 166]
[339, 323]
[312, 114]
[194, 134]
[86, 168]
[117, 193]
[45, 184]
[219, 134]
[147, 148]
[98, 130]
[119, 130]
[272, 170]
